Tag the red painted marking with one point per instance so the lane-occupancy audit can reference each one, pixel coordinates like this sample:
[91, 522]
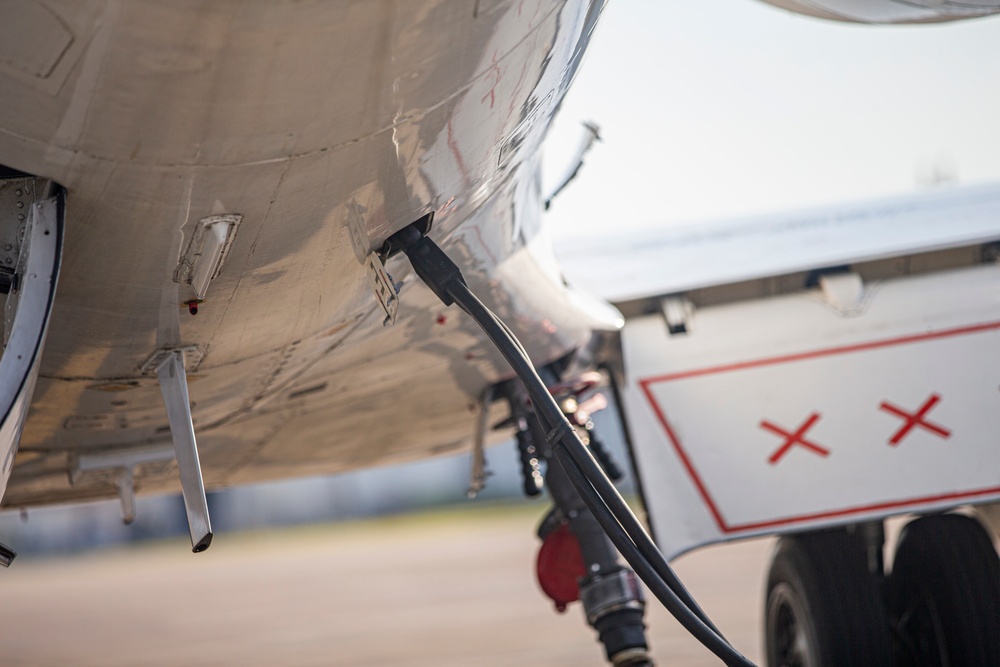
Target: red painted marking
[495, 70]
[486, 246]
[456, 152]
[531, 21]
[724, 526]
[915, 419]
[685, 461]
[861, 509]
[815, 354]
[793, 439]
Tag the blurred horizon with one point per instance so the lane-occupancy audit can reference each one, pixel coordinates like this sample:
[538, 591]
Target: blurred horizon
[371, 492]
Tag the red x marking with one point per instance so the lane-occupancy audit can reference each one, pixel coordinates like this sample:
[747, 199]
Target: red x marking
[792, 439]
[915, 419]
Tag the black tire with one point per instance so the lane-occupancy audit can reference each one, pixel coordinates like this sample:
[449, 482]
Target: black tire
[944, 594]
[823, 606]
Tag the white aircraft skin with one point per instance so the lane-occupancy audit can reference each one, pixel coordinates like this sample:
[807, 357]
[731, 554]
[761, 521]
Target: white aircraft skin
[317, 123]
[890, 11]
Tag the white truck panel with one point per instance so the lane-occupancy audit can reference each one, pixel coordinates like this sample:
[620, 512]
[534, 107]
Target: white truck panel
[633, 265]
[774, 415]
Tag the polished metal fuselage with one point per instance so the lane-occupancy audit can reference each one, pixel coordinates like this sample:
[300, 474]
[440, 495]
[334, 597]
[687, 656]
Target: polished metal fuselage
[327, 126]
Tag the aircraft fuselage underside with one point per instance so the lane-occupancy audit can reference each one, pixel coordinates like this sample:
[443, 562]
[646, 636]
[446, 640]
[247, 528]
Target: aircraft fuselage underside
[246, 175]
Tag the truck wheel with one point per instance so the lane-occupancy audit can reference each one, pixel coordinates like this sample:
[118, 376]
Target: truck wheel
[944, 594]
[823, 606]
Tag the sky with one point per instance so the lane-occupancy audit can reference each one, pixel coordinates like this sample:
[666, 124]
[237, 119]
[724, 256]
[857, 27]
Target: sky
[717, 109]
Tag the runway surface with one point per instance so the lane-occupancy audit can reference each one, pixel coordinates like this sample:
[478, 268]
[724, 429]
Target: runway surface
[448, 588]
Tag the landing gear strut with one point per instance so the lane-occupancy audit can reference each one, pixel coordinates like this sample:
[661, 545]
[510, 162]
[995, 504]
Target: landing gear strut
[576, 560]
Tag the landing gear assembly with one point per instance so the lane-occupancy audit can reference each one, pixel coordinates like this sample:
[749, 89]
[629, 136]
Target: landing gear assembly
[944, 594]
[576, 560]
[830, 601]
[561, 444]
[824, 604]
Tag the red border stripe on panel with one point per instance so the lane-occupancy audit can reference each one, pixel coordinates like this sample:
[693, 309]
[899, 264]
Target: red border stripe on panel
[724, 526]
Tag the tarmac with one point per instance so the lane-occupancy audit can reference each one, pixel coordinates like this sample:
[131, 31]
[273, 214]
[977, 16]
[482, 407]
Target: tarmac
[454, 587]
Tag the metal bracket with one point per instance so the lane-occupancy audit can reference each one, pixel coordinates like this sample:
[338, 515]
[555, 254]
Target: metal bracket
[479, 473]
[844, 292]
[381, 283]
[125, 483]
[122, 465]
[193, 356]
[676, 311]
[173, 386]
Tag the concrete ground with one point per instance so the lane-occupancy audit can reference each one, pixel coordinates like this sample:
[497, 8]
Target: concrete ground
[448, 588]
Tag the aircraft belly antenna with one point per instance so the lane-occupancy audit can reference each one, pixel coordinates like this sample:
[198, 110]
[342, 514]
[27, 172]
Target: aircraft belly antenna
[121, 467]
[173, 386]
[479, 472]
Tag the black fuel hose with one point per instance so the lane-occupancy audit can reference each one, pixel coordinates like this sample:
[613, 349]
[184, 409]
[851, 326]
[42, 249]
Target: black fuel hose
[599, 494]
